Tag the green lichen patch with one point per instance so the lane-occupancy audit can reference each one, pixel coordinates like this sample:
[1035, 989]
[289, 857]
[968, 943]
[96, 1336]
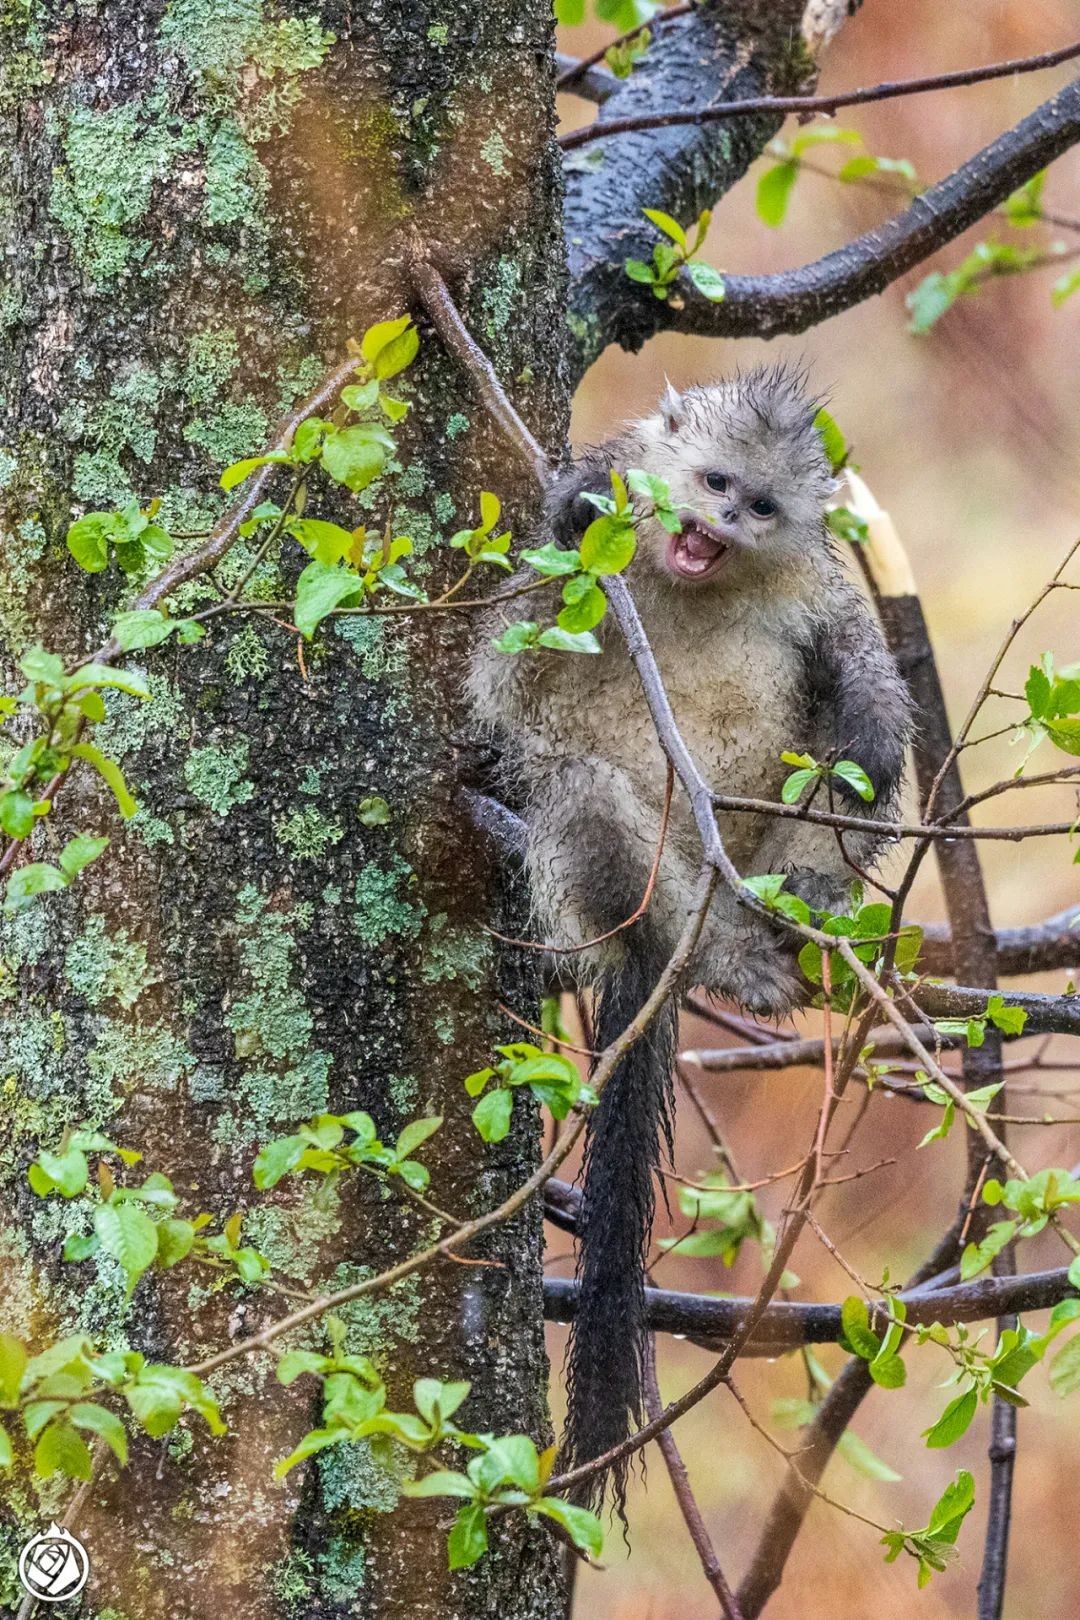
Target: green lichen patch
[383, 907]
[102, 965]
[215, 774]
[454, 953]
[307, 833]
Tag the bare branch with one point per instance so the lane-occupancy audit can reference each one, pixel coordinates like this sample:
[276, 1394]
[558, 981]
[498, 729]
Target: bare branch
[889, 90]
[793, 300]
[786, 1324]
[1054, 943]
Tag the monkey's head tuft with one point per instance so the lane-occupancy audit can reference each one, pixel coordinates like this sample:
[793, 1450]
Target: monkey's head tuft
[746, 468]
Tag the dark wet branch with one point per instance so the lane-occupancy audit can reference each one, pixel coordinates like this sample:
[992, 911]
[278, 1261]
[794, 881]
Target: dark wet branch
[786, 1324]
[1054, 943]
[613, 309]
[889, 90]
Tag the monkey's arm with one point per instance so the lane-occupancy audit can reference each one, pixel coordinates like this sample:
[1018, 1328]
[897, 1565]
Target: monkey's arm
[859, 702]
[568, 513]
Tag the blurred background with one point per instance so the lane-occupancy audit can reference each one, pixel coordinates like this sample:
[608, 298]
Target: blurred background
[970, 436]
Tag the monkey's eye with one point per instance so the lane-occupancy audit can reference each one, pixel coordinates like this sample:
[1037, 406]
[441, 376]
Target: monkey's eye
[716, 481]
[763, 508]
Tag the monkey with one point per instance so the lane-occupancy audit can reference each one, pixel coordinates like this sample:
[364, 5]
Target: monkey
[764, 646]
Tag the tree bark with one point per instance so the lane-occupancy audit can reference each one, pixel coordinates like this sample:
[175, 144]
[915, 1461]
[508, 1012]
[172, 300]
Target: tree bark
[206, 201]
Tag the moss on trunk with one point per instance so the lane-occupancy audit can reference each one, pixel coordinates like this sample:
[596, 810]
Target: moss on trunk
[204, 202]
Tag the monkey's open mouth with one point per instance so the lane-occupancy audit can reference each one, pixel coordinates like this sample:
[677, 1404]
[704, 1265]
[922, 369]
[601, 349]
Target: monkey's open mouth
[699, 550]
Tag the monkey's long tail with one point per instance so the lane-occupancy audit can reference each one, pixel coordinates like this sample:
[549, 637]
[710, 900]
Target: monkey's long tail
[634, 1118]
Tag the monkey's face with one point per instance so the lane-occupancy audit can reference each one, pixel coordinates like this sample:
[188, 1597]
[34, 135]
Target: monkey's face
[747, 474]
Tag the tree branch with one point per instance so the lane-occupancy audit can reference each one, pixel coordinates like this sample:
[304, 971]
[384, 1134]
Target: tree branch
[1046, 1015]
[793, 300]
[1054, 943]
[734, 51]
[786, 1324]
[889, 90]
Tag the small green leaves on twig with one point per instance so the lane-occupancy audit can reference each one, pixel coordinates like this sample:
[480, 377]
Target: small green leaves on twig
[811, 770]
[52, 1393]
[132, 536]
[1053, 698]
[553, 1080]
[320, 1147]
[670, 258]
[777, 183]
[882, 1362]
[934, 1546]
[479, 544]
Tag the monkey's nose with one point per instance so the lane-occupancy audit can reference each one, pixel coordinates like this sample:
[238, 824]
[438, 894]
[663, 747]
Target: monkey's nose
[731, 514]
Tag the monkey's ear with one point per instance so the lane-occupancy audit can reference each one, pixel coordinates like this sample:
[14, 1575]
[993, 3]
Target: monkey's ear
[672, 409]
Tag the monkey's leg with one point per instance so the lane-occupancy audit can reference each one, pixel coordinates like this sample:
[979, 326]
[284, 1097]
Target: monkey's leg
[592, 844]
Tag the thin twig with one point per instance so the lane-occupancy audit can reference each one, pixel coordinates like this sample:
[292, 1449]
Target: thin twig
[756, 105]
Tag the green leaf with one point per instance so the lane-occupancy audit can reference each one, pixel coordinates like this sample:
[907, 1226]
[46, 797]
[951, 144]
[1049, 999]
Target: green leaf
[552, 560]
[584, 612]
[354, 457]
[68, 1172]
[832, 440]
[99, 1420]
[417, 1131]
[709, 282]
[1065, 1369]
[142, 627]
[61, 1451]
[360, 396]
[16, 813]
[240, 470]
[1064, 288]
[491, 1116]
[792, 790]
[607, 545]
[314, 1441]
[1064, 734]
[7, 1455]
[517, 637]
[88, 540]
[888, 1372]
[327, 542]
[638, 270]
[954, 1421]
[847, 525]
[855, 1323]
[565, 641]
[774, 192]
[276, 1159]
[79, 851]
[929, 301]
[27, 881]
[320, 589]
[124, 680]
[12, 1366]
[1010, 1020]
[867, 1462]
[390, 346]
[110, 773]
[669, 226]
[583, 1527]
[855, 777]
[174, 1242]
[441, 1483]
[129, 1235]
[468, 1538]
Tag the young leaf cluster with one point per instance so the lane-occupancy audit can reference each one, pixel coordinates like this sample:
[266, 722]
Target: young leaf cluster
[137, 1226]
[53, 1397]
[671, 257]
[552, 1078]
[321, 1147]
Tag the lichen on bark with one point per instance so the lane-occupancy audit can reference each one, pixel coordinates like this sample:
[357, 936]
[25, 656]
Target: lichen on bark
[204, 203]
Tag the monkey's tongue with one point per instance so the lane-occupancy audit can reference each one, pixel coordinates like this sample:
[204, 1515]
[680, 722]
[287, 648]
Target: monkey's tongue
[694, 553]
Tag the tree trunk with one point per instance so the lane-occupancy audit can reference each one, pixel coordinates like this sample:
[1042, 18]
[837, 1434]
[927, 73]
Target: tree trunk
[207, 200]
